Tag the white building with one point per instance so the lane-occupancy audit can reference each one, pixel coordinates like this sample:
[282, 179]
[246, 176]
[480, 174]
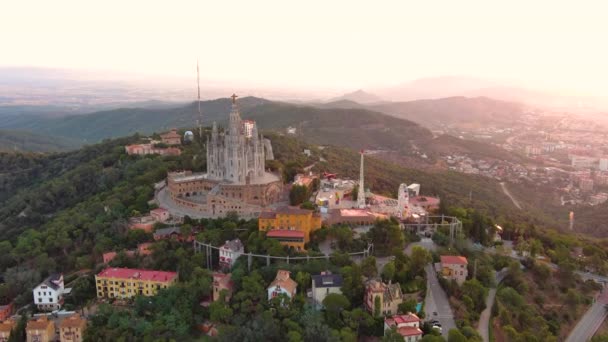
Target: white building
[48, 295]
[603, 164]
[407, 325]
[230, 252]
[324, 284]
[282, 284]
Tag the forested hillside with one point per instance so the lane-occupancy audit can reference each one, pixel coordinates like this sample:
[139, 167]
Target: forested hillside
[30, 142]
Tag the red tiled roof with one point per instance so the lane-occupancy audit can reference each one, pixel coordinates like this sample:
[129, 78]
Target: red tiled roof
[409, 331]
[401, 319]
[285, 233]
[128, 273]
[454, 259]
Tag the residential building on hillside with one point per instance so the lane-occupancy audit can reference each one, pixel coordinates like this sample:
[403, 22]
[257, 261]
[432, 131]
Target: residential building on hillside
[454, 267]
[127, 282]
[282, 284]
[71, 329]
[6, 327]
[160, 214]
[171, 138]
[353, 217]
[381, 298]
[48, 295]
[146, 149]
[6, 311]
[407, 325]
[40, 330]
[173, 233]
[324, 284]
[291, 226]
[230, 252]
[221, 282]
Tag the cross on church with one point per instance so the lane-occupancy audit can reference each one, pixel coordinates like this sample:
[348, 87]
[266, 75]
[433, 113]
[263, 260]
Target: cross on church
[234, 96]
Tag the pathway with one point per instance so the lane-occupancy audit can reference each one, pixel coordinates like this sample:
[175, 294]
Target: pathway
[484, 319]
[506, 191]
[591, 320]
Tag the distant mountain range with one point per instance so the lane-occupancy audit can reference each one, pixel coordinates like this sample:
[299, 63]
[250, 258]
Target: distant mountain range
[352, 125]
[359, 96]
[454, 86]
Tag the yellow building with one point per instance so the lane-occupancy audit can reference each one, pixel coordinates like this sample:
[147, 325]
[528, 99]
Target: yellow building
[72, 329]
[290, 226]
[40, 330]
[128, 282]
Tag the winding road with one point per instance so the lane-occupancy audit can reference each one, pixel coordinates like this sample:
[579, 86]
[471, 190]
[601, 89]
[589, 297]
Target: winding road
[506, 191]
[591, 320]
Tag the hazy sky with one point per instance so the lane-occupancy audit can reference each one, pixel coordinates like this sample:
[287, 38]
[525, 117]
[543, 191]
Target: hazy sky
[348, 44]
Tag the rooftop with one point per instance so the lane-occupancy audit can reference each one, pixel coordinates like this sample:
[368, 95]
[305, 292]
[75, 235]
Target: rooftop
[327, 280]
[167, 231]
[74, 321]
[40, 323]
[130, 273]
[7, 326]
[402, 319]
[454, 259]
[235, 245]
[409, 331]
[284, 281]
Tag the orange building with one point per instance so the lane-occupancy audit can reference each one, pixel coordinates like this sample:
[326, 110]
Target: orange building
[6, 311]
[221, 282]
[72, 329]
[289, 225]
[40, 330]
[171, 138]
[5, 329]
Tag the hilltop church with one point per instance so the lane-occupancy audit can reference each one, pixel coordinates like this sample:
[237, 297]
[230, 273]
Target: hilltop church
[238, 155]
[236, 179]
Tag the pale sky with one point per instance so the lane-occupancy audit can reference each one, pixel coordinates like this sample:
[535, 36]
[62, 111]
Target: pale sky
[350, 44]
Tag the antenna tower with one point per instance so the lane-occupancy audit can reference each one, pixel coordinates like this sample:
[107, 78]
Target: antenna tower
[200, 114]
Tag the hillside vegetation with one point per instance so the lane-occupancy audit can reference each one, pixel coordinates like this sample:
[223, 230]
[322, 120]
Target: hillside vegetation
[30, 142]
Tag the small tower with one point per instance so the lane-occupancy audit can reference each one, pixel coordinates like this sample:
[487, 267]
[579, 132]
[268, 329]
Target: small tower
[361, 193]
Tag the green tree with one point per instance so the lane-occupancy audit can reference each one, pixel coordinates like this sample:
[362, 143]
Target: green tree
[420, 258]
[454, 335]
[368, 267]
[298, 194]
[334, 304]
[388, 271]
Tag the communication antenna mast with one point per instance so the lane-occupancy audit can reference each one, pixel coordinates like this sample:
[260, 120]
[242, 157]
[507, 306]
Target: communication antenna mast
[200, 114]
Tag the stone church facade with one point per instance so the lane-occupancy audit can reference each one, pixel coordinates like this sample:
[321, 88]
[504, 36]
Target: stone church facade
[236, 179]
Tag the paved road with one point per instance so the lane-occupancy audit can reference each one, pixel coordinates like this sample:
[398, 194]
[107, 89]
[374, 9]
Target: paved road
[437, 301]
[484, 319]
[591, 321]
[506, 191]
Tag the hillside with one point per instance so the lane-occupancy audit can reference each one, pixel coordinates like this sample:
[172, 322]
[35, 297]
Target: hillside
[458, 111]
[359, 96]
[342, 123]
[30, 142]
[356, 128]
